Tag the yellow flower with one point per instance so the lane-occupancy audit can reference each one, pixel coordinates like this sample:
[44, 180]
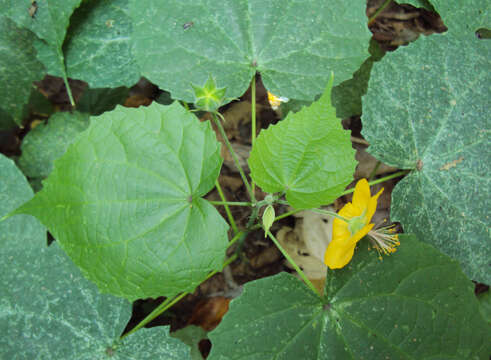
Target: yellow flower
[275, 101]
[345, 234]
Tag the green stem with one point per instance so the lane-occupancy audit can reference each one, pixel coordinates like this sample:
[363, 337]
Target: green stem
[65, 77]
[330, 213]
[379, 10]
[226, 204]
[378, 181]
[234, 156]
[253, 119]
[295, 266]
[374, 171]
[168, 303]
[231, 203]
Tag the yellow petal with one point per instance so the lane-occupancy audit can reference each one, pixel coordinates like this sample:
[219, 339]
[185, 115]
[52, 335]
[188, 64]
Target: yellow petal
[361, 196]
[338, 257]
[372, 206]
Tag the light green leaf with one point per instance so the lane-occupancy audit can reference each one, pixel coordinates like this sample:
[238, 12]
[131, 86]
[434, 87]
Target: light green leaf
[415, 304]
[178, 43]
[47, 309]
[45, 143]
[308, 155]
[124, 202]
[98, 101]
[436, 122]
[98, 48]
[425, 4]
[18, 69]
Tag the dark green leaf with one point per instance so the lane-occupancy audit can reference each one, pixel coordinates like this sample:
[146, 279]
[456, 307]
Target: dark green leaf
[125, 203]
[436, 122]
[18, 69]
[98, 48]
[415, 304]
[45, 143]
[98, 101]
[179, 43]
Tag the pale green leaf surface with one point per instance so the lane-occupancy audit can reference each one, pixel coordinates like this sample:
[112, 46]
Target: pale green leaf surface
[47, 142]
[18, 69]
[192, 335]
[98, 47]
[50, 24]
[178, 43]
[308, 155]
[415, 304]
[47, 309]
[463, 18]
[125, 203]
[428, 104]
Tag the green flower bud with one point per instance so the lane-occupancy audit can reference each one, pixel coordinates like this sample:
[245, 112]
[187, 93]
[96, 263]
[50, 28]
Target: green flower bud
[268, 218]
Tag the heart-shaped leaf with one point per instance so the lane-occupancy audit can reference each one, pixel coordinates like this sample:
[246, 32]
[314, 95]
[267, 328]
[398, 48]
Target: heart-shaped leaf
[124, 202]
[436, 122]
[416, 304]
[179, 43]
[308, 155]
[47, 309]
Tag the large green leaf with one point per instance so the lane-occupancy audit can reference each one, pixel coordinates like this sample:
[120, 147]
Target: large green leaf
[308, 155]
[295, 45]
[47, 309]
[416, 304]
[18, 69]
[125, 203]
[427, 109]
[98, 48]
[45, 143]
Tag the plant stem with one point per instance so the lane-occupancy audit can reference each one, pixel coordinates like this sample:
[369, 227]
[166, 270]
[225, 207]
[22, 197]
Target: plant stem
[378, 181]
[234, 157]
[227, 208]
[374, 171]
[330, 213]
[231, 203]
[253, 118]
[379, 10]
[169, 302]
[297, 268]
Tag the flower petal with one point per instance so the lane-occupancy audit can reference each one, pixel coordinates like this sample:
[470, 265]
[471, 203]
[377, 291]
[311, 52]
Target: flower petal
[372, 205]
[337, 257]
[361, 196]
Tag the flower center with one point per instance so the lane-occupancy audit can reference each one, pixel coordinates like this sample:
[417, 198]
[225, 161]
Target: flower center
[356, 223]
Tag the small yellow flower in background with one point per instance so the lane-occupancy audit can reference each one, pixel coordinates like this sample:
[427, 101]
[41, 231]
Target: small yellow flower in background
[275, 101]
[346, 234]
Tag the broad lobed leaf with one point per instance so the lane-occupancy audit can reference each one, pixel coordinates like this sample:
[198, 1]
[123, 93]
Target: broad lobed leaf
[415, 304]
[47, 309]
[427, 111]
[179, 43]
[125, 203]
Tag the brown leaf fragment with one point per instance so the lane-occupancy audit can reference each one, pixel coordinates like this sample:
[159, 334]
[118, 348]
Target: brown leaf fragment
[452, 164]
